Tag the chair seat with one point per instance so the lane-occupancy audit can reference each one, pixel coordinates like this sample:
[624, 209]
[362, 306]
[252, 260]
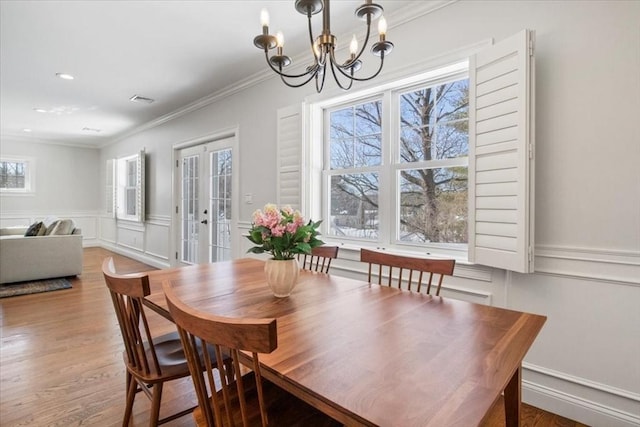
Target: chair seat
[169, 350]
[283, 408]
[171, 358]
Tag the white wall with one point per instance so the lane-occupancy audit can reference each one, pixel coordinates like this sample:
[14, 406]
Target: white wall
[585, 364]
[66, 179]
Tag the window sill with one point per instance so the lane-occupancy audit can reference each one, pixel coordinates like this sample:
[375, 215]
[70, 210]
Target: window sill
[17, 193]
[420, 252]
[351, 251]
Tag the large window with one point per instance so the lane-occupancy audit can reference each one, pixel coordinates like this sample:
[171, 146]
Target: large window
[441, 162]
[16, 175]
[396, 165]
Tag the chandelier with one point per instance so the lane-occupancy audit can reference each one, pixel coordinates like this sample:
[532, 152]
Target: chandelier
[323, 47]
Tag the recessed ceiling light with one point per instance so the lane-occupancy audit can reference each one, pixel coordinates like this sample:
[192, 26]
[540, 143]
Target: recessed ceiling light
[65, 76]
[26, 130]
[40, 110]
[144, 100]
[86, 129]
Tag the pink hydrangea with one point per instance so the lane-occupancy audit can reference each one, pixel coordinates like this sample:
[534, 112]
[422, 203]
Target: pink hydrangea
[278, 230]
[292, 227]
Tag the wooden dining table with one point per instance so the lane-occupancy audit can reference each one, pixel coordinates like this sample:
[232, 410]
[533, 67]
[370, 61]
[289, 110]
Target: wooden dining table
[367, 354]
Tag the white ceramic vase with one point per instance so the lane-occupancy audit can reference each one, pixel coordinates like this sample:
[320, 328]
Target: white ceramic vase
[282, 276]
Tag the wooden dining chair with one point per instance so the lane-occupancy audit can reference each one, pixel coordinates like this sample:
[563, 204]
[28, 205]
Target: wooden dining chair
[418, 268]
[247, 400]
[319, 259]
[150, 361]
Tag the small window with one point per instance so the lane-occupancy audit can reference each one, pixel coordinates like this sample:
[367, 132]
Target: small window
[16, 175]
[130, 188]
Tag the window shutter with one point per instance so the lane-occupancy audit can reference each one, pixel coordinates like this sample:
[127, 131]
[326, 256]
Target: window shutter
[110, 190]
[501, 164]
[289, 163]
[140, 183]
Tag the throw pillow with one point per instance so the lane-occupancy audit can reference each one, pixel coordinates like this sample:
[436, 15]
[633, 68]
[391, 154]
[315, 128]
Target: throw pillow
[48, 221]
[62, 227]
[34, 229]
[42, 230]
[51, 226]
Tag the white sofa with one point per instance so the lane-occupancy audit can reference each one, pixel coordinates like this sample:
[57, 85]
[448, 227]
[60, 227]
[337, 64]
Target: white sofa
[39, 257]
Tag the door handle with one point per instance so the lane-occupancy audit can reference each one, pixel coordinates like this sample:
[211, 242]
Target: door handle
[204, 221]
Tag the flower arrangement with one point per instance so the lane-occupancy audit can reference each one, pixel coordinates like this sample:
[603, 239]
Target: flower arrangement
[282, 232]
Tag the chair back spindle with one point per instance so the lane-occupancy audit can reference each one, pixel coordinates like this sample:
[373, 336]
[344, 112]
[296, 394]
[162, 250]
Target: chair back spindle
[127, 293]
[230, 399]
[228, 406]
[416, 266]
[144, 353]
[319, 259]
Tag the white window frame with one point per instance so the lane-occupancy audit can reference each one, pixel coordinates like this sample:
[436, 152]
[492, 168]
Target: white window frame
[390, 166]
[122, 186]
[29, 179]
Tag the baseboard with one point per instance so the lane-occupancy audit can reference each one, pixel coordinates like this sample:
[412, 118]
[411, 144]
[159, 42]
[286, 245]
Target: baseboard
[90, 242]
[138, 256]
[575, 399]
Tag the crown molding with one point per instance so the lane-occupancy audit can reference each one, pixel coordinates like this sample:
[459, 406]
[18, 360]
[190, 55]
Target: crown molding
[407, 14]
[35, 140]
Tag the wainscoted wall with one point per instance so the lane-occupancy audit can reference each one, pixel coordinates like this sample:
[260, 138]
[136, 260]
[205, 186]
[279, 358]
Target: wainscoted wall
[591, 299]
[147, 242]
[87, 221]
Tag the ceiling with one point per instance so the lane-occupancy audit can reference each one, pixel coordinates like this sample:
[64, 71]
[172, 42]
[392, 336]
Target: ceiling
[175, 52]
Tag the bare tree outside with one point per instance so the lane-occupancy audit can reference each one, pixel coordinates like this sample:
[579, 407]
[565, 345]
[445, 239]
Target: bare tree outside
[12, 175]
[431, 168]
[356, 149]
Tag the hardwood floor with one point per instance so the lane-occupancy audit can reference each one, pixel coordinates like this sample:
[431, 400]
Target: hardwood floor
[61, 359]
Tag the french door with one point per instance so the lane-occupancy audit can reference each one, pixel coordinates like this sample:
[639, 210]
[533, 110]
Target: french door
[206, 202]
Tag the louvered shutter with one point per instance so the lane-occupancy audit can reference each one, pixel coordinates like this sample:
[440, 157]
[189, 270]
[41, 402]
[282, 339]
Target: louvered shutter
[110, 189]
[501, 166]
[140, 184]
[289, 134]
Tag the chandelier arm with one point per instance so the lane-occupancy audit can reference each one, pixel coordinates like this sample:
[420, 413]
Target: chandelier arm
[324, 74]
[364, 44]
[282, 77]
[317, 59]
[311, 70]
[359, 79]
[335, 76]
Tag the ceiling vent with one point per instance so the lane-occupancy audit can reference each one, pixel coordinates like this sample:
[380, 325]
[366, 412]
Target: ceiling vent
[141, 99]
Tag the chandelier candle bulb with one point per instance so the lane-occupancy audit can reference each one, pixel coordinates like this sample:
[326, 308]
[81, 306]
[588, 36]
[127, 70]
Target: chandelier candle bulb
[264, 20]
[280, 41]
[353, 47]
[382, 28]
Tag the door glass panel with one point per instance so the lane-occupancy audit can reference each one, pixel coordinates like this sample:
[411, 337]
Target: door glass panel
[220, 205]
[189, 202]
